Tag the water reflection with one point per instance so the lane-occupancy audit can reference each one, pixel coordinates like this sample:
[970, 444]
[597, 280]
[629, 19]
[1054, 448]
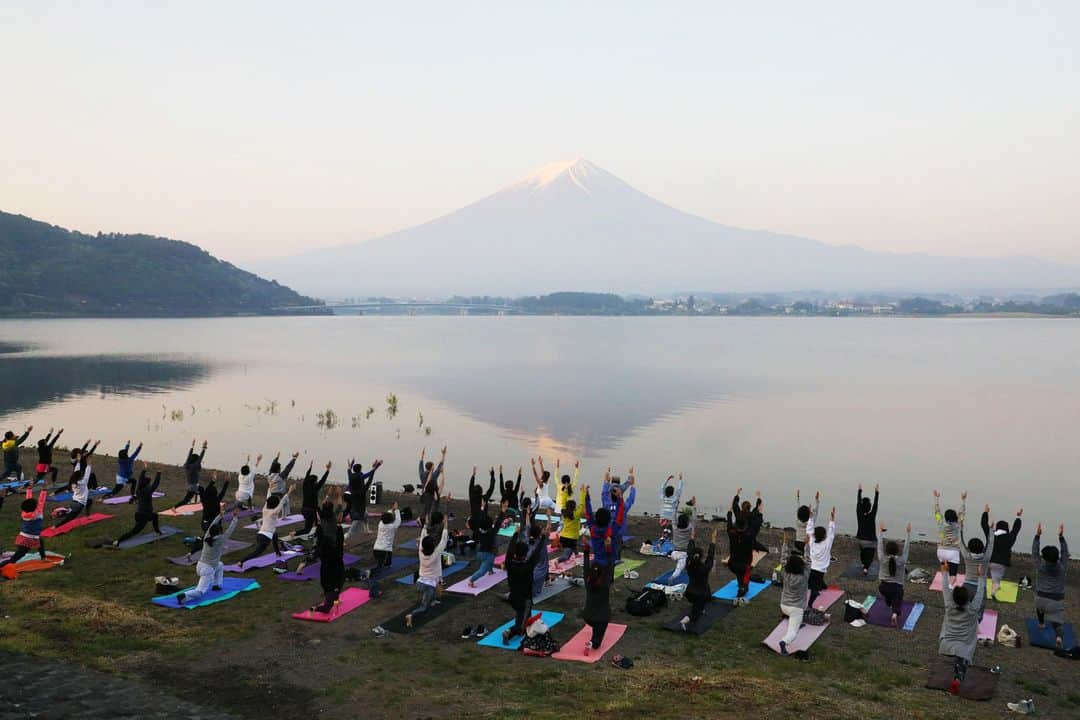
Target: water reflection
[30, 381]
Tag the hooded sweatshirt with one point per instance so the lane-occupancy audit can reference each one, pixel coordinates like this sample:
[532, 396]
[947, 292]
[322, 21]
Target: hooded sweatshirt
[125, 466]
[867, 520]
[1050, 578]
[1003, 540]
[211, 552]
[670, 505]
[431, 565]
[384, 536]
[949, 532]
[960, 626]
[901, 563]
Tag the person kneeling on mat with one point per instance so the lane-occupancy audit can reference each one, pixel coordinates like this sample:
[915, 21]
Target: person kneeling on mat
[210, 569]
[1004, 539]
[892, 562]
[698, 567]
[32, 518]
[1050, 565]
[960, 626]
[793, 597]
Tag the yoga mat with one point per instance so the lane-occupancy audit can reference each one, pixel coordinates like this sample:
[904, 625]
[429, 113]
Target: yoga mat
[76, 523]
[978, 683]
[166, 531]
[868, 603]
[494, 638]
[509, 530]
[413, 544]
[122, 499]
[988, 626]
[68, 496]
[803, 640]
[936, 584]
[556, 568]
[348, 601]
[182, 510]
[396, 624]
[230, 588]
[552, 589]
[729, 591]
[574, 648]
[485, 583]
[714, 612]
[457, 567]
[759, 555]
[283, 522]
[311, 570]
[262, 561]
[1045, 638]
[231, 545]
[854, 570]
[33, 562]
[627, 566]
[666, 579]
[881, 614]
[913, 618]
[827, 597]
[1007, 593]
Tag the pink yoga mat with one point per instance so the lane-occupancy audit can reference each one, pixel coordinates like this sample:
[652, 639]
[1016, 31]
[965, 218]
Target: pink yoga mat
[485, 583]
[349, 601]
[262, 561]
[121, 499]
[988, 626]
[936, 585]
[182, 510]
[287, 520]
[574, 648]
[556, 567]
[827, 597]
[76, 523]
[806, 637]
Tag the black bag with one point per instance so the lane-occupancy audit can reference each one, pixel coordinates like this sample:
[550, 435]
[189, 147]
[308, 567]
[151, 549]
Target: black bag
[646, 602]
[853, 613]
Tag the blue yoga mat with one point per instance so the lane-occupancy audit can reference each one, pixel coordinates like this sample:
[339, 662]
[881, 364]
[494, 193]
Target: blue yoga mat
[729, 591]
[913, 616]
[666, 579]
[67, 496]
[18, 483]
[230, 588]
[494, 638]
[446, 572]
[1045, 638]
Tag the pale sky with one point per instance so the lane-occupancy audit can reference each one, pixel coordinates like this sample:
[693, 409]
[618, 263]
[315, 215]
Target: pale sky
[257, 129]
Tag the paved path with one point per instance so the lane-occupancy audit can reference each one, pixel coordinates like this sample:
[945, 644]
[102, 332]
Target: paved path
[38, 689]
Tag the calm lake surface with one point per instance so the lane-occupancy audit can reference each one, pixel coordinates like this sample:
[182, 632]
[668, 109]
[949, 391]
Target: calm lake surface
[987, 405]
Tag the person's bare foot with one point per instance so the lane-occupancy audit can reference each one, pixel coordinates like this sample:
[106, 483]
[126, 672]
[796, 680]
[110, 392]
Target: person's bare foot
[472, 584]
[895, 620]
[1057, 641]
[408, 620]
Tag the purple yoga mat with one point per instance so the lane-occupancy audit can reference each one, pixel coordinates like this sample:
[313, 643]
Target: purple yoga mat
[263, 561]
[881, 614]
[287, 520]
[484, 583]
[121, 499]
[311, 571]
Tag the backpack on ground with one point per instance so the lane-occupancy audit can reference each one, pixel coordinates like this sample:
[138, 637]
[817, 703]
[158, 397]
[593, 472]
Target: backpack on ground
[645, 602]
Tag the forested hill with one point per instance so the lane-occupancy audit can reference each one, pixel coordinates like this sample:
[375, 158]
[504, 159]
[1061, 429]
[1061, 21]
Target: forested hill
[49, 271]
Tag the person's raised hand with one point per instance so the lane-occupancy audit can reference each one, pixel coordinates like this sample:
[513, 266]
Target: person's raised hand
[1019, 512]
[832, 516]
[937, 494]
[296, 454]
[877, 487]
[883, 528]
[473, 469]
[1038, 530]
[757, 493]
[577, 464]
[258, 458]
[422, 451]
[817, 496]
[443, 451]
[329, 464]
[739, 491]
[963, 495]
[203, 444]
[860, 486]
[986, 508]
[1061, 530]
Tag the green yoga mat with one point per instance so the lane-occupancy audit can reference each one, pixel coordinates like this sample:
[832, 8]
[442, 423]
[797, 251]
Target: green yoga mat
[626, 566]
[1008, 593]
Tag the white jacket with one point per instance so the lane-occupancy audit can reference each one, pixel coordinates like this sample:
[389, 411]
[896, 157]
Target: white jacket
[821, 552]
[431, 565]
[384, 538]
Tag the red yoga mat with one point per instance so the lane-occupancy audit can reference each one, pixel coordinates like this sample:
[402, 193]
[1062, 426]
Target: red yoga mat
[76, 523]
[347, 602]
[574, 649]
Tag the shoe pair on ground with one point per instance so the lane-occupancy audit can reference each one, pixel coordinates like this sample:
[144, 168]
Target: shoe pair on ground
[469, 632]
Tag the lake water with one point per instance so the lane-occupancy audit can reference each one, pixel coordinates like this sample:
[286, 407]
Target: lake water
[987, 405]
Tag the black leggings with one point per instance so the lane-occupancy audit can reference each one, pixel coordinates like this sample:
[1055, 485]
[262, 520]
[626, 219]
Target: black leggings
[310, 516]
[1041, 615]
[383, 559]
[21, 551]
[521, 614]
[77, 509]
[697, 607]
[188, 497]
[893, 594]
[598, 630]
[141, 519]
[817, 584]
[261, 543]
[54, 471]
[866, 556]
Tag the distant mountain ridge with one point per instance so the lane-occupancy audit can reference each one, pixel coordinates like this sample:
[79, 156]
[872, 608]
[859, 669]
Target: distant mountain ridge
[51, 271]
[575, 226]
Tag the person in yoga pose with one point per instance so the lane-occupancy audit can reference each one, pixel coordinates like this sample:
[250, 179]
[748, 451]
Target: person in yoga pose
[543, 502]
[540, 570]
[976, 557]
[309, 503]
[866, 516]
[520, 564]
[272, 513]
[698, 567]
[803, 517]
[210, 569]
[211, 499]
[950, 525]
[613, 493]
[358, 491]
[278, 479]
[793, 597]
[429, 577]
[45, 456]
[566, 486]
[892, 570]
[820, 551]
[485, 532]
[330, 551]
[670, 497]
[1051, 564]
[125, 468]
[742, 529]
[80, 492]
[573, 511]
[431, 482]
[10, 447]
[1004, 539]
[605, 526]
[192, 468]
[385, 535]
[960, 626]
[31, 521]
[144, 506]
[478, 499]
[597, 612]
[245, 483]
[680, 540]
[509, 492]
[80, 460]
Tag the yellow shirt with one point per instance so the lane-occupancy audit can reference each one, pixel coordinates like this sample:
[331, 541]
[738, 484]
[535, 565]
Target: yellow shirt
[571, 527]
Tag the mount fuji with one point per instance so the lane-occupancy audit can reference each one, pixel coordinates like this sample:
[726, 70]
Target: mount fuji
[575, 226]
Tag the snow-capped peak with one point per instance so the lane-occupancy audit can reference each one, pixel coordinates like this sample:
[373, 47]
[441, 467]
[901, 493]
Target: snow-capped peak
[577, 171]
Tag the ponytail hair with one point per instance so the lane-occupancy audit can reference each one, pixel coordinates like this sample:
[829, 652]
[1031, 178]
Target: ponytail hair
[892, 565]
